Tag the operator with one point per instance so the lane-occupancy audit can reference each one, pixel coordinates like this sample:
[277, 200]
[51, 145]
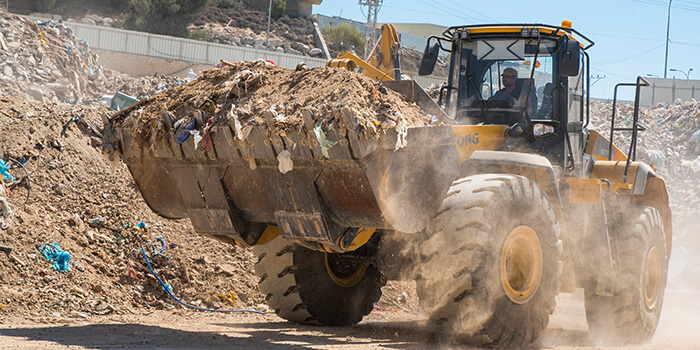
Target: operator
[511, 90]
[508, 79]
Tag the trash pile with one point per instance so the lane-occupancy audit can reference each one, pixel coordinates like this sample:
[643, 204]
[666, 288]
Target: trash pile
[248, 28]
[44, 61]
[240, 95]
[72, 229]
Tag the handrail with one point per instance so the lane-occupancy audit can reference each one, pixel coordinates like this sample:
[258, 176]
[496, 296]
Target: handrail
[632, 153]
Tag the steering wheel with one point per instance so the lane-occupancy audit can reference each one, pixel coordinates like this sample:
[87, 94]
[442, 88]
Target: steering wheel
[503, 96]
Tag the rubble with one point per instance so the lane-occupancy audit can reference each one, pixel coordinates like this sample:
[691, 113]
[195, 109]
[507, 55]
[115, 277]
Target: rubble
[255, 93]
[45, 62]
[248, 28]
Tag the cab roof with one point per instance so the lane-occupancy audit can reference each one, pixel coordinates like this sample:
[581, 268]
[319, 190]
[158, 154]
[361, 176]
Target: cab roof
[519, 30]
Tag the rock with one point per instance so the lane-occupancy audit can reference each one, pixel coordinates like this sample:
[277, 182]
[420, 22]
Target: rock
[300, 47]
[279, 49]
[227, 269]
[248, 40]
[7, 71]
[88, 21]
[259, 42]
[302, 66]
[58, 87]
[275, 42]
[97, 288]
[35, 93]
[78, 314]
[294, 52]
[315, 52]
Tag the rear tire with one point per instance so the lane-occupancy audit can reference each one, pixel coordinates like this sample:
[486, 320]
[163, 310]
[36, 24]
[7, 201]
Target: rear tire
[491, 260]
[311, 287]
[631, 315]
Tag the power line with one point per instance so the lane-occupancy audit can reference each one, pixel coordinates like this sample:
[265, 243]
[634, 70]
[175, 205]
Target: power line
[446, 9]
[662, 4]
[631, 57]
[624, 36]
[478, 13]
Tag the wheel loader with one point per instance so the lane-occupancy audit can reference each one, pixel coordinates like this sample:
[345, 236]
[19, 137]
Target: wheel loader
[508, 201]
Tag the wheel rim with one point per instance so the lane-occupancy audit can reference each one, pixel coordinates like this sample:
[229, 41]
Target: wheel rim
[521, 265]
[342, 273]
[652, 278]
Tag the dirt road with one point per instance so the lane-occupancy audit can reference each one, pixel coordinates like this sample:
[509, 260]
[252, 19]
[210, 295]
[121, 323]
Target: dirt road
[380, 330]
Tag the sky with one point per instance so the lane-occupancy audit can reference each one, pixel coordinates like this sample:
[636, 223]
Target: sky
[629, 35]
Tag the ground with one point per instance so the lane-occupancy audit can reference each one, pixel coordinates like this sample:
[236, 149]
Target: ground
[181, 329]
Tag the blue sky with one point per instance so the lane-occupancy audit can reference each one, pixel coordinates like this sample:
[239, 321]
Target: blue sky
[629, 35]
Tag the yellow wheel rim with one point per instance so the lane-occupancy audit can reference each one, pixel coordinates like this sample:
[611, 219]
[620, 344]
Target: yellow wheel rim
[344, 276]
[521, 265]
[652, 278]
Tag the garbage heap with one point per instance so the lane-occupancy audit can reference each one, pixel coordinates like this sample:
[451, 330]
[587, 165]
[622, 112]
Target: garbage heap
[66, 198]
[44, 61]
[241, 95]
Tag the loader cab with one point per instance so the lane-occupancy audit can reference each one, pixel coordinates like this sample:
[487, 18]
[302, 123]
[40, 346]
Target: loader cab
[547, 99]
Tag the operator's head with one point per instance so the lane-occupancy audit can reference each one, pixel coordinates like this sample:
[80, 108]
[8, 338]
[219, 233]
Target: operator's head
[509, 77]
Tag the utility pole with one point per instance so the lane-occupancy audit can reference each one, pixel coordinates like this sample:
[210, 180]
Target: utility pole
[267, 36]
[373, 7]
[668, 25]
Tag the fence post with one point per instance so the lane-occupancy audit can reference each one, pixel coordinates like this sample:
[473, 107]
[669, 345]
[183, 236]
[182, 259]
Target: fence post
[673, 91]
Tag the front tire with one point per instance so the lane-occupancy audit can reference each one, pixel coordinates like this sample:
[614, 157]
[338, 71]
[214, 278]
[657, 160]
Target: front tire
[492, 260]
[311, 287]
[631, 314]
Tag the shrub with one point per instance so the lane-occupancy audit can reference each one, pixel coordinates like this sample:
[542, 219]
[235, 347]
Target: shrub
[278, 8]
[199, 34]
[237, 5]
[345, 33]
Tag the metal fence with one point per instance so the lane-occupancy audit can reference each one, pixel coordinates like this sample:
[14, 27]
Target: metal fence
[668, 90]
[188, 50]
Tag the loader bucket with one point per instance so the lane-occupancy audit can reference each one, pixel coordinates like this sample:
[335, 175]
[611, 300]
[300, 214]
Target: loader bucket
[235, 188]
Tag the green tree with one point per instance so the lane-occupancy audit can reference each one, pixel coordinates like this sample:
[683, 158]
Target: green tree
[278, 8]
[343, 33]
[169, 17]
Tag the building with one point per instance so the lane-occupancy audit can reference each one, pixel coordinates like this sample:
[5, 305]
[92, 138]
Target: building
[297, 8]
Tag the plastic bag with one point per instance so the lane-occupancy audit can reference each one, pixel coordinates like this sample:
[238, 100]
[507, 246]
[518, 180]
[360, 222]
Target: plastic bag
[322, 140]
[285, 160]
[4, 166]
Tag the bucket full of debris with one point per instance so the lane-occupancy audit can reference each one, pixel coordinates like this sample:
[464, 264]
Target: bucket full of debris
[312, 151]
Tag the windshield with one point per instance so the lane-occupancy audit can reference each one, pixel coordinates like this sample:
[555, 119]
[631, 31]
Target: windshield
[495, 77]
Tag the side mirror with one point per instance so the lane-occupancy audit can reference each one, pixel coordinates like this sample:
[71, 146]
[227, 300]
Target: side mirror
[430, 55]
[569, 58]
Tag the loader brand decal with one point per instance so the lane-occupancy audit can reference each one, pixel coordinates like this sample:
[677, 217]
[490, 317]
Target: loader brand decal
[468, 140]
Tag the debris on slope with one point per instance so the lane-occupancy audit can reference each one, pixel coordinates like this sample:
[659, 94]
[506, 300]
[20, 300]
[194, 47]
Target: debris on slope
[44, 61]
[67, 193]
[248, 28]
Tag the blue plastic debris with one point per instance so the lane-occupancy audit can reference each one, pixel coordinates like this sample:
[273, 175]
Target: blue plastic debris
[59, 257]
[182, 133]
[3, 170]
